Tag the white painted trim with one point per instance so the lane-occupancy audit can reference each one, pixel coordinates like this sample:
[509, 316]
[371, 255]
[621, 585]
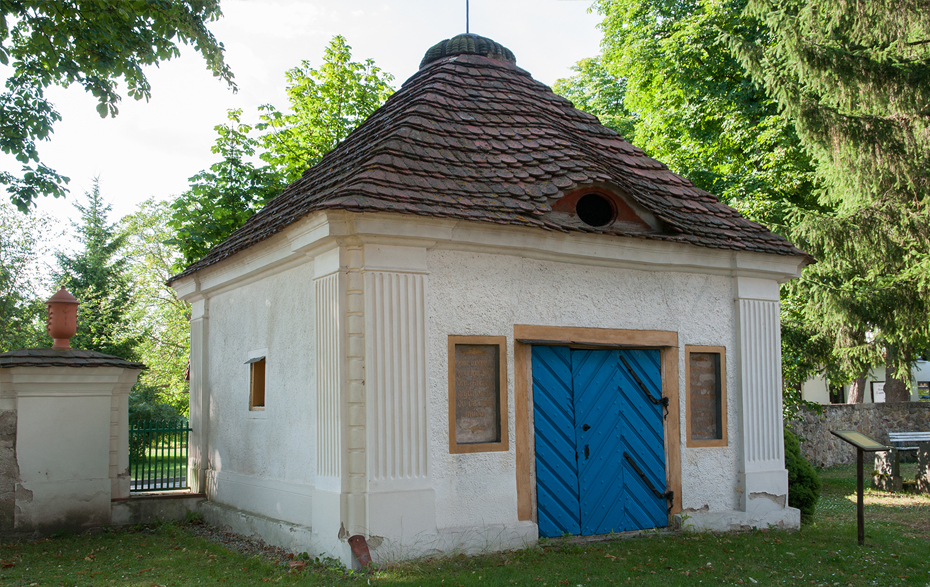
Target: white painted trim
[323, 230]
[395, 259]
[331, 381]
[256, 354]
[62, 381]
[329, 262]
[396, 380]
[752, 288]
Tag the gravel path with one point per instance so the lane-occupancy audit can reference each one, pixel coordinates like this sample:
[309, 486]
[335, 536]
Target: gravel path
[248, 546]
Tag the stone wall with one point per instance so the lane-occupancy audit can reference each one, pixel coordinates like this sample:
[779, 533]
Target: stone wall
[823, 449]
[9, 469]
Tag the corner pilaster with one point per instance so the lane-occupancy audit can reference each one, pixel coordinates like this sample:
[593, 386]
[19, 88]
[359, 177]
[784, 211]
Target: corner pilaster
[402, 502]
[334, 507]
[763, 477]
[198, 460]
[357, 482]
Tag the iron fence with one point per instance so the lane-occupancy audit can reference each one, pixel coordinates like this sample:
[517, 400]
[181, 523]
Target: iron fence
[158, 455]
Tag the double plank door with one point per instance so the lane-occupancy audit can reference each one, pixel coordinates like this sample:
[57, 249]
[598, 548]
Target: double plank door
[600, 453]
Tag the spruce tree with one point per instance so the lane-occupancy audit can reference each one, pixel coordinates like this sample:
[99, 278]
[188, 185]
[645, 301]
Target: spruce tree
[855, 79]
[98, 277]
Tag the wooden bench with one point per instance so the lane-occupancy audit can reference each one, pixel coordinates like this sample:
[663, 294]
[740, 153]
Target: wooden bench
[899, 438]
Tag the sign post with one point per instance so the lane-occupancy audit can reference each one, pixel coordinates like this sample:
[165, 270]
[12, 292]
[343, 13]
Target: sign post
[863, 445]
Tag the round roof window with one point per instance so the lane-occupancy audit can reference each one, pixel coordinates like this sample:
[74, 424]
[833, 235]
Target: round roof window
[595, 210]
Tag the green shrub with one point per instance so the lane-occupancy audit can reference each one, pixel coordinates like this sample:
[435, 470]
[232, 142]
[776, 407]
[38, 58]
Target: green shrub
[146, 405]
[803, 481]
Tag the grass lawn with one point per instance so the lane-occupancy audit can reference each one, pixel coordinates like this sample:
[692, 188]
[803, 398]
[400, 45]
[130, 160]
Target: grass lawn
[159, 466]
[824, 552]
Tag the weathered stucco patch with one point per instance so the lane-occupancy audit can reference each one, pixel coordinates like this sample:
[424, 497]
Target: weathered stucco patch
[776, 499]
[9, 469]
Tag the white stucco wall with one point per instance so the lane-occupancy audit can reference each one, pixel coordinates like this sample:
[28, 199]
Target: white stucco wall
[398, 287]
[815, 389]
[68, 457]
[263, 461]
[484, 294]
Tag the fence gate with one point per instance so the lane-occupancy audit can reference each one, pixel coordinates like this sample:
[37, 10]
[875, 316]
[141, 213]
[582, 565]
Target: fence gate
[158, 455]
[600, 452]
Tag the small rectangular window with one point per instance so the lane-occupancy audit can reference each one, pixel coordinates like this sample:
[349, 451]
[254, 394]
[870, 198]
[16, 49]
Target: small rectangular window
[257, 383]
[477, 394]
[705, 378]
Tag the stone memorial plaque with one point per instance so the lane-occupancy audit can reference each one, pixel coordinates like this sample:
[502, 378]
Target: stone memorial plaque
[705, 398]
[477, 393]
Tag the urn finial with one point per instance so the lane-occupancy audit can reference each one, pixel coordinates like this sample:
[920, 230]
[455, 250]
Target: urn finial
[62, 318]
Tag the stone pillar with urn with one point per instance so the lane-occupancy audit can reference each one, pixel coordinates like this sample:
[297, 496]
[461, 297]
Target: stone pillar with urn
[64, 431]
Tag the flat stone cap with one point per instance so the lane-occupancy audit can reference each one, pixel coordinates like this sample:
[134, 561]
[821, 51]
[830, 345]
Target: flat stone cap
[63, 358]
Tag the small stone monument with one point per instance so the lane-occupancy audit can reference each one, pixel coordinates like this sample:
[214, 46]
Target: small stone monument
[887, 473]
[923, 467]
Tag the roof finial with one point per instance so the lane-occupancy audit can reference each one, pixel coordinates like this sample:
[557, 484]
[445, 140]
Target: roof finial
[62, 318]
[468, 44]
[466, 18]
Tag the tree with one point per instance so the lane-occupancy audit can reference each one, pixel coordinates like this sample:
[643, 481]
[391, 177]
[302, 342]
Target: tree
[326, 105]
[809, 117]
[94, 43]
[698, 111]
[158, 318]
[220, 200]
[596, 91]
[23, 245]
[98, 277]
[855, 80]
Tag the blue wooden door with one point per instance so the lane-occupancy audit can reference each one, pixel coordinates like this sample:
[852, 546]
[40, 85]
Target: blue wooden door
[598, 435]
[557, 504]
[643, 455]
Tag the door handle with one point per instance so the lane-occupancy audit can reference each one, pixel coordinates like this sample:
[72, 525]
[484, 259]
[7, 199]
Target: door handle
[585, 427]
[586, 451]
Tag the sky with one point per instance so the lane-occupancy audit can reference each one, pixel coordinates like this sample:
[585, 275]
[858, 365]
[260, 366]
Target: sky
[151, 149]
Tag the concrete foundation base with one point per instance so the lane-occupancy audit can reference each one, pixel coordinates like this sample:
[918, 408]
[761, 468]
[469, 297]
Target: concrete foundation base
[442, 542]
[149, 509]
[452, 541]
[787, 518]
[293, 537]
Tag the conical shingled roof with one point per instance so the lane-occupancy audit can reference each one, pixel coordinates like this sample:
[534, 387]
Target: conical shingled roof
[476, 138]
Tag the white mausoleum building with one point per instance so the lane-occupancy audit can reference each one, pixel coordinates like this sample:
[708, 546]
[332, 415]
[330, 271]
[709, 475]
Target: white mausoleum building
[483, 318]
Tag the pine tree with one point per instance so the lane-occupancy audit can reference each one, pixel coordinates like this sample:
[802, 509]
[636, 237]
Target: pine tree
[855, 79]
[98, 277]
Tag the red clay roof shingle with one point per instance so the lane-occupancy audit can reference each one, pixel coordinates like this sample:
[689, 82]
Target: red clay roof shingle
[476, 138]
